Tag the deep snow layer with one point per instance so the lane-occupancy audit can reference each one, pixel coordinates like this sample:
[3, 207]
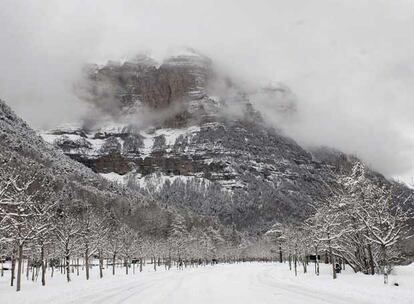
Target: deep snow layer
[237, 283]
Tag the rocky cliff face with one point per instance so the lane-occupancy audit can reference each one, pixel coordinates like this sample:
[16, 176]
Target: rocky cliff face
[209, 151]
[126, 89]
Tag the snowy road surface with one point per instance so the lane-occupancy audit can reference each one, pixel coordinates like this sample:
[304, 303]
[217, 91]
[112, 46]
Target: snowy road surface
[238, 283]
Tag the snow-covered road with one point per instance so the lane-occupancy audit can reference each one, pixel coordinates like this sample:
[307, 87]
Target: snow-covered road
[237, 283]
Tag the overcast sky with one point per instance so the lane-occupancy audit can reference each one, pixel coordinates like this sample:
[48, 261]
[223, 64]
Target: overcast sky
[349, 63]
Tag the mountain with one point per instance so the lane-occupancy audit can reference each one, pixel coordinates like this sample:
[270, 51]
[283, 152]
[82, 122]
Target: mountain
[190, 137]
[25, 154]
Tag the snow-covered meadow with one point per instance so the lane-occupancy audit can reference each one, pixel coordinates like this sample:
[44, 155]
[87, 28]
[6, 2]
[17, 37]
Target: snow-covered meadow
[223, 283]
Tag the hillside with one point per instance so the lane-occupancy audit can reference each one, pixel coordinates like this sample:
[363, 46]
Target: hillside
[25, 154]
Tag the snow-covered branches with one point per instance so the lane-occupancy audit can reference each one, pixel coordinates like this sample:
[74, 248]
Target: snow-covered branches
[362, 224]
[24, 218]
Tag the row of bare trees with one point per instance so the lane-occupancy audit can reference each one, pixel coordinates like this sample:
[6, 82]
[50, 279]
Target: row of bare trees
[362, 225]
[49, 228]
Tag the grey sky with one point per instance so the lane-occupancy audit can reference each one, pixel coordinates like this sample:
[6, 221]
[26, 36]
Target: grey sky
[349, 63]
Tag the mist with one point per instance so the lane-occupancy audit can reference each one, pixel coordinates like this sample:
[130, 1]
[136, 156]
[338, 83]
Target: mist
[349, 64]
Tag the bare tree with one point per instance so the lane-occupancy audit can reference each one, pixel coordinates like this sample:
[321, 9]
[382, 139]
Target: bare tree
[276, 233]
[94, 229]
[25, 219]
[386, 221]
[114, 242]
[128, 242]
[327, 222]
[67, 229]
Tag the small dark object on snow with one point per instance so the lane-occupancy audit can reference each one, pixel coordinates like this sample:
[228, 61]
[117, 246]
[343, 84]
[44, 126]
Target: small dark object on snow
[180, 264]
[338, 268]
[396, 284]
[313, 257]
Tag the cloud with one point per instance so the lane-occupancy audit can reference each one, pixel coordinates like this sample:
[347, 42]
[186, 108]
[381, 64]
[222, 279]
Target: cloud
[349, 63]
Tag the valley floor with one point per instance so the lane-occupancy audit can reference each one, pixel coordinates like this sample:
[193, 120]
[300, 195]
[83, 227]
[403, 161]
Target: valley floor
[237, 283]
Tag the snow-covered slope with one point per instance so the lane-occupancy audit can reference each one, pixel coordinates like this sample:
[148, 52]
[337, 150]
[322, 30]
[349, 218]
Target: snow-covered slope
[24, 153]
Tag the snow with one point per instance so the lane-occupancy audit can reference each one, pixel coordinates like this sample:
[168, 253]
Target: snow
[234, 283]
[113, 177]
[170, 135]
[232, 183]
[159, 179]
[49, 138]
[149, 135]
[114, 128]
[96, 143]
[148, 144]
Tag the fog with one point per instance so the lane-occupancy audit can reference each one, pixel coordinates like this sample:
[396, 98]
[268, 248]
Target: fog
[350, 64]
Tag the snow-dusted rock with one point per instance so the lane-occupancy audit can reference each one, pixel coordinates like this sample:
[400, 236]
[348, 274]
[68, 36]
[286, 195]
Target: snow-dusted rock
[205, 129]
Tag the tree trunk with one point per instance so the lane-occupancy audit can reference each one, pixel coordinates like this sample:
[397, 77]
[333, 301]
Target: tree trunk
[290, 261]
[155, 264]
[316, 261]
[27, 268]
[140, 265]
[67, 260]
[100, 264]
[87, 261]
[126, 265]
[42, 257]
[332, 259]
[34, 270]
[371, 260]
[305, 265]
[384, 263]
[113, 263]
[19, 267]
[296, 263]
[13, 267]
[280, 254]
